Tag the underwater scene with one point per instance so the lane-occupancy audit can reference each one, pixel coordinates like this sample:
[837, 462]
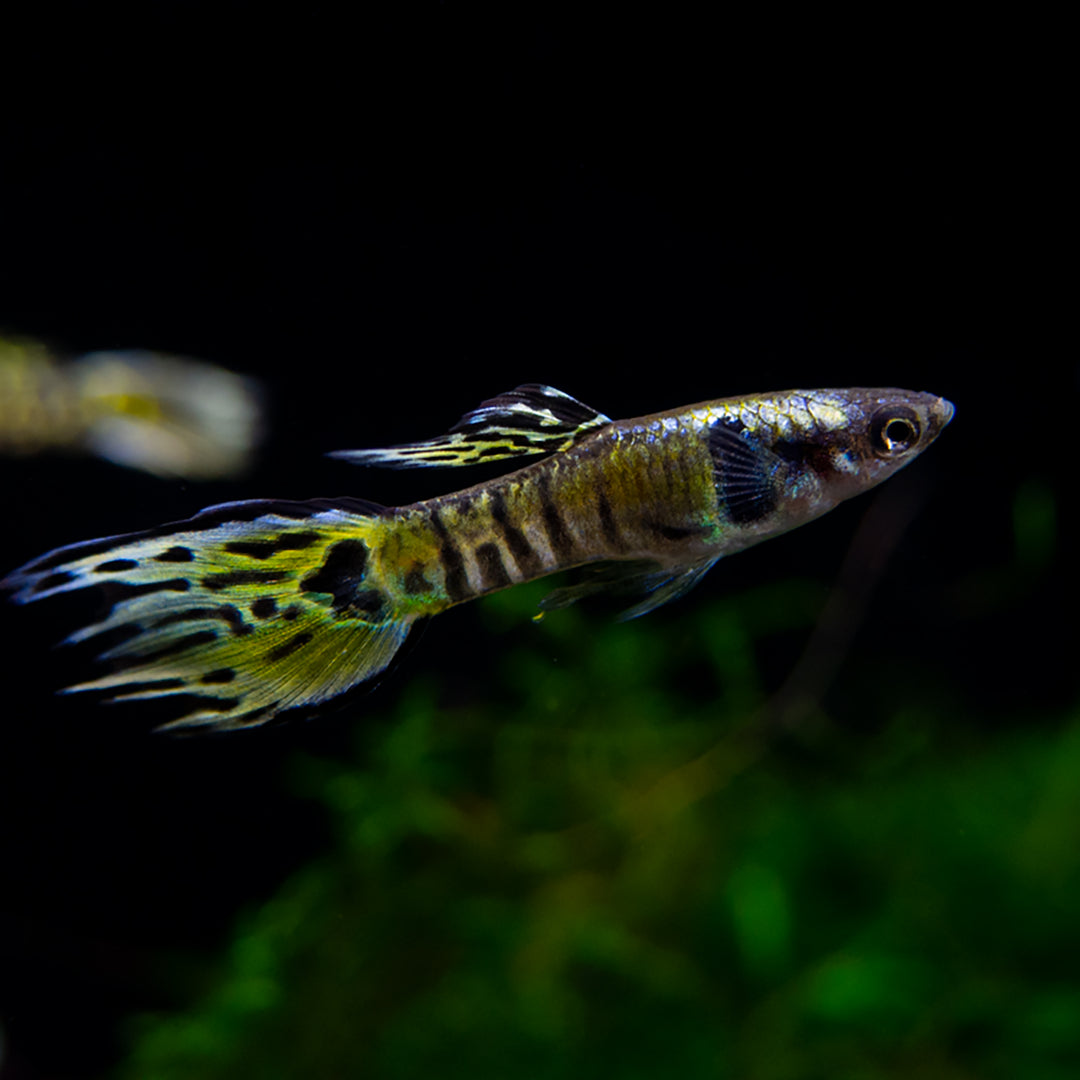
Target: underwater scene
[559, 649]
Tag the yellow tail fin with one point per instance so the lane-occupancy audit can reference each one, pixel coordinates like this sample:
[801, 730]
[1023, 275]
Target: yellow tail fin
[245, 610]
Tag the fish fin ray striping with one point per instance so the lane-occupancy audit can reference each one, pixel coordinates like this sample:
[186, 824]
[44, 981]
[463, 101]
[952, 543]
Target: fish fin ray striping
[279, 605]
[530, 419]
[635, 577]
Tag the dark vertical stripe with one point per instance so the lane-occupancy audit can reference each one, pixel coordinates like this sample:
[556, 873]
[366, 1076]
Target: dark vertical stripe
[607, 520]
[528, 561]
[561, 541]
[492, 571]
[457, 584]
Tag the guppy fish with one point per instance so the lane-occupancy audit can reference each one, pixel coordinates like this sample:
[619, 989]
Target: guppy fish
[168, 415]
[252, 608]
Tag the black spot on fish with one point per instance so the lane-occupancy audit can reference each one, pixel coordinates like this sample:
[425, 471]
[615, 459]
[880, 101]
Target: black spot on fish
[291, 613]
[226, 613]
[115, 565]
[214, 704]
[210, 518]
[415, 582]
[52, 581]
[252, 549]
[232, 615]
[252, 717]
[794, 451]
[519, 440]
[231, 578]
[176, 554]
[297, 541]
[492, 571]
[297, 641]
[119, 591]
[78, 551]
[264, 549]
[808, 452]
[142, 685]
[340, 574]
[264, 607]
[366, 602]
[218, 676]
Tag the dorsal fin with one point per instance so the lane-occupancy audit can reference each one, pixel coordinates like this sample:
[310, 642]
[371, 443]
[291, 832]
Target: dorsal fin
[530, 419]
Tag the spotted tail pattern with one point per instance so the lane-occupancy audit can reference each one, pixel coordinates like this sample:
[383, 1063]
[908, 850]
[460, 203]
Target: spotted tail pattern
[247, 609]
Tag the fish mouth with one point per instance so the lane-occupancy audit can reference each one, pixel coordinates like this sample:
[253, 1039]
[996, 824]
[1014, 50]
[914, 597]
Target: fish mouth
[939, 412]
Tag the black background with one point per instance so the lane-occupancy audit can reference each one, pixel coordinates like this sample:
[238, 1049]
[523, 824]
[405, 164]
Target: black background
[388, 220]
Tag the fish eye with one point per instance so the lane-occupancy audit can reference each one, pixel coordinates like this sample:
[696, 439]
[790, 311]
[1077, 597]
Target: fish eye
[894, 430]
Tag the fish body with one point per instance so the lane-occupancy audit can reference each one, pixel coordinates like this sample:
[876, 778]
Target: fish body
[168, 415]
[251, 608]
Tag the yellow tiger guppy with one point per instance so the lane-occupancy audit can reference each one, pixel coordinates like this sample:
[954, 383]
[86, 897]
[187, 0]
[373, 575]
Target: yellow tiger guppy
[252, 608]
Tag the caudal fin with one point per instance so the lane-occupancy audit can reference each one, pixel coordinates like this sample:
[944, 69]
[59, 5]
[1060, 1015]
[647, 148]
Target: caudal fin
[247, 609]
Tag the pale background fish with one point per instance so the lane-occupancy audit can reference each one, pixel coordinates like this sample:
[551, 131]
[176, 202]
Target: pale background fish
[169, 415]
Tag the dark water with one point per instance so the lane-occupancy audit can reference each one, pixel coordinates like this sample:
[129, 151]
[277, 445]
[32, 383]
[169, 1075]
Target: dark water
[818, 819]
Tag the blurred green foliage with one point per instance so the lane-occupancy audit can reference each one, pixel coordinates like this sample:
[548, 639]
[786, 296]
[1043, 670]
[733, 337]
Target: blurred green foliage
[625, 867]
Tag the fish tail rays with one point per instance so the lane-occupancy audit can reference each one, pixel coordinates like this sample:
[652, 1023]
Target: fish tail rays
[244, 611]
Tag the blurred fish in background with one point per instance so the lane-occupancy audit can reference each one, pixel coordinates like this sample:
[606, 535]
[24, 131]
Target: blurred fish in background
[168, 415]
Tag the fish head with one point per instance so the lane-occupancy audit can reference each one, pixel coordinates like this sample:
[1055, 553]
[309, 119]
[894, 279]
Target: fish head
[819, 447]
[860, 437]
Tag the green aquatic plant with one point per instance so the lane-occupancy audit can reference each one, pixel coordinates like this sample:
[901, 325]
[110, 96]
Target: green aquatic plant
[596, 869]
